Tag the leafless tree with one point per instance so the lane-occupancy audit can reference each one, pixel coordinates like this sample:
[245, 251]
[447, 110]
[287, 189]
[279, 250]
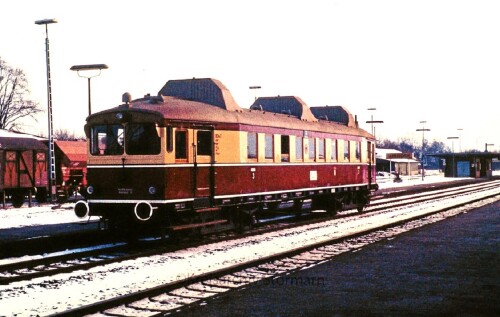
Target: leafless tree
[65, 135]
[14, 98]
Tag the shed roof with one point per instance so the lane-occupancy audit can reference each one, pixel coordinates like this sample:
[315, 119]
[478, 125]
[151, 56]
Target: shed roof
[468, 155]
[21, 144]
[10, 140]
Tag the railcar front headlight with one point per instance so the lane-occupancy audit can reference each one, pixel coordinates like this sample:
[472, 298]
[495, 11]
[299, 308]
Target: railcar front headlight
[152, 190]
[90, 190]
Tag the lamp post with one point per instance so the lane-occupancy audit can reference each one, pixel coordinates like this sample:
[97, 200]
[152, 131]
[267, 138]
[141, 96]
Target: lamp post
[423, 146]
[486, 146]
[52, 166]
[372, 122]
[453, 138]
[460, 139]
[98, 67]
[254, 88]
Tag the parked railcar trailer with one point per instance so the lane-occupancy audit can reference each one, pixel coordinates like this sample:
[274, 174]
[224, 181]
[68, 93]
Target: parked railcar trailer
[192, 158]
[23, 168]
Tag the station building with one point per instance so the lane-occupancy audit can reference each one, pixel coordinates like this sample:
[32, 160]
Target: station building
[394, 161]
[473, 164]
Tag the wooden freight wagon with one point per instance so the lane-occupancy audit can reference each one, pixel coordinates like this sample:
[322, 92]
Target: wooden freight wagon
[23, 167]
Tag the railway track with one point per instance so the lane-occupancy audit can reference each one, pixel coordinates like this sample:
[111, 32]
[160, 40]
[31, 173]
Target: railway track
[175, 299]
[87, 237]
[181, 294]
[106, 254]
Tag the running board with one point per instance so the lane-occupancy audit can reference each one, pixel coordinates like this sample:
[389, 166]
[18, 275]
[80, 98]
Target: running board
[198, 225]
[208, 209]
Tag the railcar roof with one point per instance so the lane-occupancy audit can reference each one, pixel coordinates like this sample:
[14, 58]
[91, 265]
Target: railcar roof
[208, 101]
[175, 109]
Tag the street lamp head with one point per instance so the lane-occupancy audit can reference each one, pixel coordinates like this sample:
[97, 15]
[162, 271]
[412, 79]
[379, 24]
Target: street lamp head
[45, 21]
[372, 109]
[89, 67]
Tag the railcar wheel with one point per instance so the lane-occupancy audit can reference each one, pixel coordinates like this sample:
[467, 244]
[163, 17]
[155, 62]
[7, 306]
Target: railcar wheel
[333, 206]
[360, 207]
[339, 201]
[297, 206]
[17, 199]
[250, 213]
[245, 217]
[362, 200]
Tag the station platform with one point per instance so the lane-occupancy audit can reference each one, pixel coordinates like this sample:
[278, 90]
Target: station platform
[449, 268]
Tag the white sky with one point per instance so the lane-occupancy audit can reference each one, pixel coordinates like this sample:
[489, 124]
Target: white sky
[434, 60]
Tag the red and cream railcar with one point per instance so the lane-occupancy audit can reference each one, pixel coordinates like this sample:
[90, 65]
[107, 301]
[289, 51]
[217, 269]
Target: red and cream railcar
[191, 157]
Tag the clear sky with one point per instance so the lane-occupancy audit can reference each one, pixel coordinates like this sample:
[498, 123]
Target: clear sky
[436, 60]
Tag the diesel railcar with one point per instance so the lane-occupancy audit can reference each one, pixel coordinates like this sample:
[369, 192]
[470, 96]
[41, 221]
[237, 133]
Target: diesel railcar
[190, 157]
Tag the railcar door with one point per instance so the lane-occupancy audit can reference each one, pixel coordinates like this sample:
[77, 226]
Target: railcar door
[203, 169]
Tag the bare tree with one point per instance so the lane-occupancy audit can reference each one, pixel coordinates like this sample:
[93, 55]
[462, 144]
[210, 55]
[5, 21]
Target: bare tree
[14, 98]
[65, 135]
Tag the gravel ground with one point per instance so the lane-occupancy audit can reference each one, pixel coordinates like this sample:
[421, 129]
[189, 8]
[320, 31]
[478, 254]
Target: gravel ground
[44, 296]
[450, 268]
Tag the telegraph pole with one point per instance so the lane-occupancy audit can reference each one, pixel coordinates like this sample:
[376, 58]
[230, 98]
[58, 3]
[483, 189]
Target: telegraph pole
[423, 146]
[52, 162]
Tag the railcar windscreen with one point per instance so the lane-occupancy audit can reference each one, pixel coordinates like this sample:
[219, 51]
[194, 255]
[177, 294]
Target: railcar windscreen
[106, 139]
[142, 139]
[133, 139]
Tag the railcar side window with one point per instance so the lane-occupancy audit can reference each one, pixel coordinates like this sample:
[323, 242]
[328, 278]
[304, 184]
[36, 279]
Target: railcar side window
[298, 148]
[269, 146]
[358, 151]
[321, 149]
[106, 139]
[204, 143]
[312, 148]
[252, 145]
[285, 148]
[142, 139]
[181, 145]
[333, 154]
[346, 151]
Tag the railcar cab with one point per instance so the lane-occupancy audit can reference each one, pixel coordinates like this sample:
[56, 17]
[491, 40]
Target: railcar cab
[118, 139]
